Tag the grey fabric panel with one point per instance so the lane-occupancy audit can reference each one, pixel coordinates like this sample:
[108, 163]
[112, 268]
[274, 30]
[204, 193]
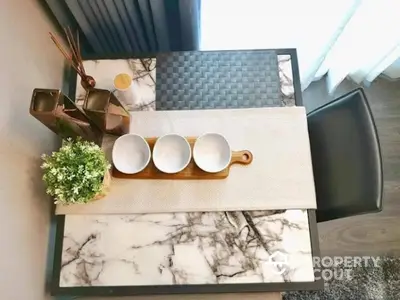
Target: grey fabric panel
[100, 13]
[106, 20]
[86, 26]
[217, 79]
[148, 24]
[136, 26]
[96, 22]
[119, 23]
[160, 24]
[189, 21]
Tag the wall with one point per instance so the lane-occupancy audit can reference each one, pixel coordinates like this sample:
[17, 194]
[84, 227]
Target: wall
[28, 59]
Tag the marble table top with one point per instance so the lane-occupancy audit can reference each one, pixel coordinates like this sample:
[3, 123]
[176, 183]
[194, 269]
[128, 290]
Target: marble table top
[104, 72]
[184, 248]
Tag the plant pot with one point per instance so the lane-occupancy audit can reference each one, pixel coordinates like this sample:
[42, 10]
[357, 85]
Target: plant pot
[106, 186]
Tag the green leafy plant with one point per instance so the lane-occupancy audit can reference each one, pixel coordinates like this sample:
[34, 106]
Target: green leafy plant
[75, 173]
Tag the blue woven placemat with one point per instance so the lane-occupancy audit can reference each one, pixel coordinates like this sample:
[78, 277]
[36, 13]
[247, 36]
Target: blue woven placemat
[217, 79]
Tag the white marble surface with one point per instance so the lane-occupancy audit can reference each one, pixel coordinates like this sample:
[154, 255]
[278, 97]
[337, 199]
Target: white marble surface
[186, 248]
[286, 79]
[104, 72]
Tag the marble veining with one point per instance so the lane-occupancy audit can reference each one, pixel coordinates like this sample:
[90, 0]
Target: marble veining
[143, 73]
[186, 248]
[286, 79]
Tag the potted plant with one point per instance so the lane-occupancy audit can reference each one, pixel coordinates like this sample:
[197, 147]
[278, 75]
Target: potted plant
[77, 173]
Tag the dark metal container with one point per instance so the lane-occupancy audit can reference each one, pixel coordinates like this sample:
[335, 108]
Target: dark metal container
[105, 110]
[62, 116]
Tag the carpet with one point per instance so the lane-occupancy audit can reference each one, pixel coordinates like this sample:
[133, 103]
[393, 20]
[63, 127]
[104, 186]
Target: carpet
[365, 283]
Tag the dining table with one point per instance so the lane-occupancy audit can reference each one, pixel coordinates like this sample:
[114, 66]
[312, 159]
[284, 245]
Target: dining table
[224, 245]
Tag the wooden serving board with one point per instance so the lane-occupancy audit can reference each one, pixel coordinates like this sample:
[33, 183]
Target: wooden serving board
[192, 171]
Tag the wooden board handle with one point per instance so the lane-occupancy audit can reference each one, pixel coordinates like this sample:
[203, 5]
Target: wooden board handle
[244, 157]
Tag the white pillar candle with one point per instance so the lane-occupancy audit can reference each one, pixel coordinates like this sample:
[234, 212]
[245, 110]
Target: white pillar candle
[126, 90]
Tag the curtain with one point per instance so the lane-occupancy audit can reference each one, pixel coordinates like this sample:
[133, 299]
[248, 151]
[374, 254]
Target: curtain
[132, 26]
[358, 39]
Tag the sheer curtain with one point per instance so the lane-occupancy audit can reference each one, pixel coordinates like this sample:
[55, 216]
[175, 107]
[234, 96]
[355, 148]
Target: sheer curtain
[354, 38]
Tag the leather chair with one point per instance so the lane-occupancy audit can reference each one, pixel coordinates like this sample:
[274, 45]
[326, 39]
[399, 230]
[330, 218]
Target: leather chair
[346, 158]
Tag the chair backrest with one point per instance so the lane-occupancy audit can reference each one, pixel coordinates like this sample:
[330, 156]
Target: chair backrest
[346, 158]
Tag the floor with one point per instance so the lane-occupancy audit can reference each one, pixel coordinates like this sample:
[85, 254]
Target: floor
[373, 234]
[373, 281]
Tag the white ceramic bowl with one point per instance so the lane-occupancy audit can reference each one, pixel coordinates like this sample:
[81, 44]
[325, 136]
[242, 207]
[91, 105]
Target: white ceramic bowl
[131, 153]
[171, 153]
[212, 152]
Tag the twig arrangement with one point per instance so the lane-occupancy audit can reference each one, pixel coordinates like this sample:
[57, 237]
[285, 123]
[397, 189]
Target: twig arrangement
[146, 63]
[73, 56]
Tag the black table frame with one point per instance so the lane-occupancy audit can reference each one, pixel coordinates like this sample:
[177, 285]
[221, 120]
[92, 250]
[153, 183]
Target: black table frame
[69, 87]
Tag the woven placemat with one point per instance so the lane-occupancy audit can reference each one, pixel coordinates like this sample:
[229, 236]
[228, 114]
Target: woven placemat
[217, 79]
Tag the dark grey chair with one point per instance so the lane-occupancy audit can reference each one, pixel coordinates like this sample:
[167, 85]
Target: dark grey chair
[346, 158]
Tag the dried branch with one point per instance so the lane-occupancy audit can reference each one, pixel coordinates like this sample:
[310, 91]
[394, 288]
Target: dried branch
[73, 56]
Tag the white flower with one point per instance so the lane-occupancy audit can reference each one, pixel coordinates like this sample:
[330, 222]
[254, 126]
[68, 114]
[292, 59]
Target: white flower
[53, 171]
[60, 177]
[76, 190]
